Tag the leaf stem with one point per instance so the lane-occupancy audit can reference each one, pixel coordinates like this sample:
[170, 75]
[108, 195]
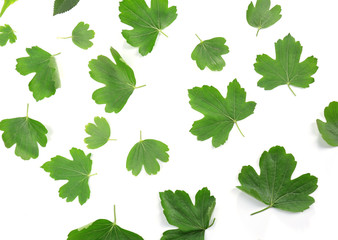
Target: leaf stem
[261, 210]
[259, 28]
[213, 221]
[238, 128]
[112, 139]
[92, 175]
[64, 37]
[140, 86]
[140, 136]
[162, 32]
[291, 89]
[114, 215]
[56, 54]
[27, 111]
[198, 38]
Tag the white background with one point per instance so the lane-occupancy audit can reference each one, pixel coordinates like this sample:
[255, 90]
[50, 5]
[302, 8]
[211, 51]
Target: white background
[29, 204]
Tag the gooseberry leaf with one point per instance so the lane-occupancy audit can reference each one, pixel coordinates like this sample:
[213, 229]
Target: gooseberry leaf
[26, 133]
[47, 79]
[99, 133]
[286, 69]
[191, 220]
[6, 4]
[119, 79]
[209, 53]
[147, 22]
[220, 114]
[103, 229]
[146, 153]
[261, 16]
[6, 35]
[61, 6]
[274, 186]
[76, 171]
[81, 36]
[329, 130]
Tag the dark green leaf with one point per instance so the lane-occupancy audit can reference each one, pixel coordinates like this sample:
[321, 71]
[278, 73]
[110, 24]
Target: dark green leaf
[261, 16]
[274, 186]
[61, 6]
[7, 3]
[145, 153]
[76, 171]
[119, 80]
[47, 79]
[329, 130]
[147, 22]
[191, 220]
[81, 36]
[286, 69]
[209, 53]
[100, 133]
[6, 35]
[26, 133]
[220, 114]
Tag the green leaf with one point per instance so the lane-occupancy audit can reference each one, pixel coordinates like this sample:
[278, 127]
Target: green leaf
[7, 3]
[147, 22]
[274, 186]
[103, 229]
[26, 133]
[81, 36]
[61, 6]
[191, 220]
[209, 53]
[76, 171]
[329, 130]
[145, 153]
[261, 16]
[119, 80]
[100, 133]
[220, 114]
[6, 35]
[47, 79]
[286, 69]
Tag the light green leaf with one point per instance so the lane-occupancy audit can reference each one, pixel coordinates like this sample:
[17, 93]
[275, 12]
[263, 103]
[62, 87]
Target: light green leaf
[6, 35]
[81, 36]
[329, 130]
[100, 133]
[7, 3]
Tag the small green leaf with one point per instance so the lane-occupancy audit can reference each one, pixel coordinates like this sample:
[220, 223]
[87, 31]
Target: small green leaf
[6, 35]
[103, 229]
[261, 16]
[26, 133]
[119, 80]
[145, 153]
[329, 130]
[286, 69]
[147, 22]
[47, 79]
[274, 186]
[209, 53]
[76, 171]
[191, 220]
[7, 3]
[81, 36]
[220, 114]
[100, 133]
[61, 6]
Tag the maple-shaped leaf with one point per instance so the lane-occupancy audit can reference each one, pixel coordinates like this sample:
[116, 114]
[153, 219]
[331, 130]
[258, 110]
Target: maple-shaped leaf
[47, 79]
[76, 171]
[274, 186]
[329, 130]
[103, 229]
[7, 3]
[146, 153]
[26, 133]
[209, 53]
[61, 6]
[286, 69]
[220, 114]
[119, 80]
[99, 133]
[6, 35]
[81, 36]
[261, 16]
[191, 220]
[147, 22]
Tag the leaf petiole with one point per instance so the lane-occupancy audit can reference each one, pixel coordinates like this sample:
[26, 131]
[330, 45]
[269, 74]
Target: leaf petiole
[261, 210]
[162, 32]
[140, 86]
[291, 89]
[199, 38]
[27, 111]
[259, 28]
[92, 175]
[114, 223]
[213, 221]
[238, 128]
[64, 37]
